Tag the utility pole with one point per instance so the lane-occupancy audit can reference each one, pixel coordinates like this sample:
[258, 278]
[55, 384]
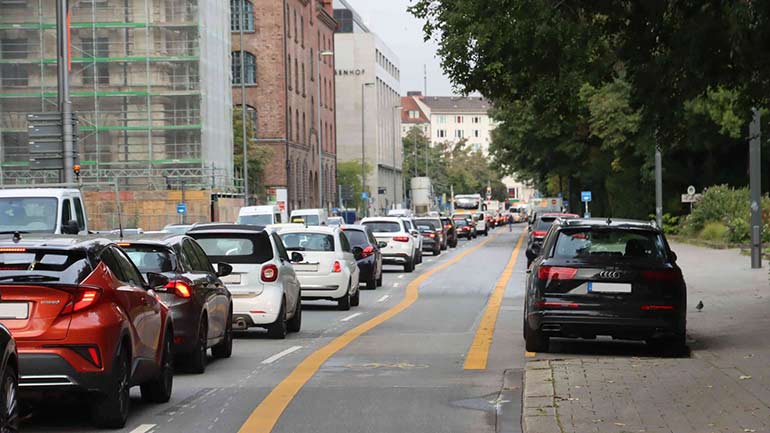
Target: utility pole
[658, 183]
[755, 183]
[65, 103]
[363, 151]
[245, 141]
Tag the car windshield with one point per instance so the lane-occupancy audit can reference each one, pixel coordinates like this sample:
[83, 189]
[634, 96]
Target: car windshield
[357, 238]
[433, 224]
[318, 242]
[383, 226]
[256, 220]
[587, 243]
[150, 258]
[68, 267]
[236, 248]
[28, 214]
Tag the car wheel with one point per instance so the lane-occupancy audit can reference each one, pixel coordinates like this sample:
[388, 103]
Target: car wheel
[343, 303]
[669, 346]
[295, 323]
[486, 232]
[453, 244]
[355, 299]
[379, 280]
[224, 349]
[437, 251]
[371, 283]
[9, 416]
[409, 266]
[535, 340]
[278, 329]
[159, 389]
[445, 246]
[110, 410]
[197, 361]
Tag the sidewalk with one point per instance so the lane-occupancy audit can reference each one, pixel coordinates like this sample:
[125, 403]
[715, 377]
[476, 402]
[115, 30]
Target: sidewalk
[723, 387]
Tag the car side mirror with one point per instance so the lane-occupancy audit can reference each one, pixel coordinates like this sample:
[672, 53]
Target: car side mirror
[382, 244]
[70, 228]
[358, 253]
[674, 256]
[297, 257]
[156, 280]
[224, 269]
[414, 233]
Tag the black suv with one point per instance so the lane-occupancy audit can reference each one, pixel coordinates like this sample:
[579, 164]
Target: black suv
[605, 277]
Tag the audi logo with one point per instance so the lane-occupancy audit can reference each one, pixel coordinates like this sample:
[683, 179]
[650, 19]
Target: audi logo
[611, 275]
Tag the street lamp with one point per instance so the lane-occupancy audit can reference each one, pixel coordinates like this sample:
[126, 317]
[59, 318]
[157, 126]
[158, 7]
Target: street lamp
[321, 205]
[363, 149]
[397, 109]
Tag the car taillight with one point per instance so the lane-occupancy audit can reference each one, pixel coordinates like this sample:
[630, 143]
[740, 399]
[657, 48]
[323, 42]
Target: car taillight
[556, 273]
[664, 275]
[89, 353]
[544, 304]
[179, 288]
[657, 307]
[466, 228]
[539, 234]
[269, 273]
[448, 226]
[429, 235]
[401, 238]
[368, 251]
[336, 267]
[81, 300]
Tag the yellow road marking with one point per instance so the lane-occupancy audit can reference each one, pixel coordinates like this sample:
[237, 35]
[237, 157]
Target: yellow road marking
[530, 354]
[266, 415]
[479, 350]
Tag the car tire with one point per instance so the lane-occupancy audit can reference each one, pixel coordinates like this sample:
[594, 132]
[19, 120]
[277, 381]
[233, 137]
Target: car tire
[409, 266]
[535, 340]
[669, 346]
[158, 390]
[453, 244]
[224, 349]
[295, 323]
[437, 251]
[355, 299]
[343, 303]
[445, 246]
[110, 410]
[197, 361]
[278, 329]
[9, 402]
[371, 283]
[486, 232]
[379, 280]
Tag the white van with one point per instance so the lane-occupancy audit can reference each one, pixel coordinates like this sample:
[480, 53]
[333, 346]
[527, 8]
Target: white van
[43, 210]
[260, 215]
[310, 217]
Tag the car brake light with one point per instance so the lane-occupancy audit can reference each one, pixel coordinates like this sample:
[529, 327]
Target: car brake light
[556, 273]
[81, 300]
[544, 304]
[124, 244]
[657, 307]
[429, 235]
[89, 353]
[665, 275]
[401, 238]
[180, 288]
[368, 251]
[538, 234]
[337, 267]
[269, 273]
[13, 250]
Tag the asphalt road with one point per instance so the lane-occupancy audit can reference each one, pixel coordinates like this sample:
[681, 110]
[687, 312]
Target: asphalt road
[359, 371]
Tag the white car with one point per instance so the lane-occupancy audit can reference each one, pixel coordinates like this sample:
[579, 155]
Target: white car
[329, 269]
[411, 227]
[401, 248]
[481, 223]
[264, 286]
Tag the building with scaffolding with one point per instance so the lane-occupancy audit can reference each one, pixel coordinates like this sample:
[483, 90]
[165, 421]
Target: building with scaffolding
[150, 83]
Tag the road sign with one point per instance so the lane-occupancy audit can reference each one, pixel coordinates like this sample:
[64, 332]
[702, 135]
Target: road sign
[691, 198]
[565, 203]
[585, 196]
[181, 208]
[365, 195]
[690, 190]
[46, 140]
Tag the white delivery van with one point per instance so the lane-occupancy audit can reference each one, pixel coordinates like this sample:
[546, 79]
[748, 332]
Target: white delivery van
[260, 215]
[310, 217]
[43, 210]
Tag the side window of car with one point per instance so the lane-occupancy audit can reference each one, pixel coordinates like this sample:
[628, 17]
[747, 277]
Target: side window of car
[371, 237]
[407, 226]
[66, 211]
[202, 258]
[80, 214]
[282, 253]
[130, 273]
[344, 242]
[189, 252]
[109, 260]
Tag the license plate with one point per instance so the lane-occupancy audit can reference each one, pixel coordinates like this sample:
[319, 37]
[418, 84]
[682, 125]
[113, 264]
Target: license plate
[608, 288]
[14, 310]
[232, 279]
[306, 267]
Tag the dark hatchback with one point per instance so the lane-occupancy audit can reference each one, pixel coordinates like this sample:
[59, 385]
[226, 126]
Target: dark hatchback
[451, 231]
[199, 302]
[606, 278]
[370, 258]
[537, 231]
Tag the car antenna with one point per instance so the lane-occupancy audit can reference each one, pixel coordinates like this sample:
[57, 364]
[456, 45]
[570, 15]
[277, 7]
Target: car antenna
[16, 237]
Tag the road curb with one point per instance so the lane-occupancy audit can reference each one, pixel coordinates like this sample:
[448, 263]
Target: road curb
[540, 413]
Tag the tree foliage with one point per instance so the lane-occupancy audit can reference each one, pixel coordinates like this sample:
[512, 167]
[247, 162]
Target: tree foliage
[349, 176]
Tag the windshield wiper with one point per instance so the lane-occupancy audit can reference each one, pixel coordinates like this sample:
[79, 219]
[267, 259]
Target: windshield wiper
[37, 278]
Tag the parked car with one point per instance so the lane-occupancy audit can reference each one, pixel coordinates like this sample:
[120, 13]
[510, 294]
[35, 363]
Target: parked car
[431, 238]
[370, 260]
[260, 215]
[9, 380]
[328, 269]
[309, 217]
[85, 320]
[401, 248]
[451, 231]
[539, 229]
[43, 210]
[178, 228]
[601, 277]
[438, 227]
[199, 302]
[264, 286]
[482, 228]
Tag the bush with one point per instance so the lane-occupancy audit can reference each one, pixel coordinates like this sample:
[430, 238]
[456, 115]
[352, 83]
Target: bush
[728, 208]
[714, 232]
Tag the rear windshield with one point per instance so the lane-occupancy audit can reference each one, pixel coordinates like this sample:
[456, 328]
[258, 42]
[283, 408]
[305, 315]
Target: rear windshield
[357, 238]
[28, 214]
[615, 243]
[383, 226]
[433, 224]
[68, 267]
[544, 223]
[236, 248]
[461, 223]
[308, 220]
[308, 242]
[150, 258]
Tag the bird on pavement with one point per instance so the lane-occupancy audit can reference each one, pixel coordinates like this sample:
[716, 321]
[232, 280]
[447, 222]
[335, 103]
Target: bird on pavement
[699, 307]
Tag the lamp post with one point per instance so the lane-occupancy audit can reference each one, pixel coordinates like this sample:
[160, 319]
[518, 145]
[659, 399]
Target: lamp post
[321, 204]
[363, 149]
[397, 137]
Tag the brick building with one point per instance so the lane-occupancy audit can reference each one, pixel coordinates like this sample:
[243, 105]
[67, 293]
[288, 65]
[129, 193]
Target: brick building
[287, 80]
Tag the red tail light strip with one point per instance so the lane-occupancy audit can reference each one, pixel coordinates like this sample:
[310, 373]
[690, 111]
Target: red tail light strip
[556, 273]
[544, 304]
[401, 238]
[81, 299]
[657, 307]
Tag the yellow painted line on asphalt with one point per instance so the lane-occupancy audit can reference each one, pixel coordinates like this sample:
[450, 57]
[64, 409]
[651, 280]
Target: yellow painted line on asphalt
[266, 415]
[479, 350]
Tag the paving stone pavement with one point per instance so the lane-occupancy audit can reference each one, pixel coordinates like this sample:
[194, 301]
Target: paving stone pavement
[724, 387]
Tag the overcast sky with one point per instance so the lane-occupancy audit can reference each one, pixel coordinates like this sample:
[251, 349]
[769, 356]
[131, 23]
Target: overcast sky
[403, 34]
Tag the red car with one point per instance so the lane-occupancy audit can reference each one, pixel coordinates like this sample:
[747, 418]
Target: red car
[85, 320]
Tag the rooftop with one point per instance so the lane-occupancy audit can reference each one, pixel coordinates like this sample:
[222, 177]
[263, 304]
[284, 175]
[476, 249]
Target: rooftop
[457, 104]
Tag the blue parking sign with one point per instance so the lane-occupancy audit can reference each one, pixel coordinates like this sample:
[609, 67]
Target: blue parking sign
[585, 196]
[181, 208]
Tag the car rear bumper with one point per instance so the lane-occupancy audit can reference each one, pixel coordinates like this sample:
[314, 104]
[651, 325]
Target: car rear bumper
[653, 325]
[331, 286]
[261, 309]
[395, 258]
[41, 372]
[367, 268]
[429, 244]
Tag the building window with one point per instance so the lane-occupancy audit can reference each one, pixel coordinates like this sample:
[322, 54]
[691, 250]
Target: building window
[459, 133]
[441, 133]
[288, 22]
[296, 76]
[17, 4]
[236, 6]
[289, 74]
[476, 119]
[13, 74]
[296, 126]
[459, 119]
[296, 33]
[304, 88]
[249, 65]
[441, 119]
[302, 30]
[96, 73]
[304, 129]
[476, 133]
[414, 114]
[312, 65]
[290, 125]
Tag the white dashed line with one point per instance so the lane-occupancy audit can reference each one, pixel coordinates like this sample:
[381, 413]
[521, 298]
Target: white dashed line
[280, 355]
[384, 298]
[400, 276]
[352, 316]
[395, 284]
[144, 428]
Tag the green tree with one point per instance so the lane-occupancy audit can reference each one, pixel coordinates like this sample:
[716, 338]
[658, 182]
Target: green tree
[258, 156]
[349, 177]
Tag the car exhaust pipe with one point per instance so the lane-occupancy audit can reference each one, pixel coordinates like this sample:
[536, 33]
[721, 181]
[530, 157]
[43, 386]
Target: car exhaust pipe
[240, 324]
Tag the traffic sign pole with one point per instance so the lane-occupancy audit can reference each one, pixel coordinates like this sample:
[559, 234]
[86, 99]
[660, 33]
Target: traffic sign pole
[65, 104]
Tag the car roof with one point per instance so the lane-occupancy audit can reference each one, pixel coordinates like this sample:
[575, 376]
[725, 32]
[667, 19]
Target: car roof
[37, 192]
[382, 219]
[153, 238]
[360, 227]
[609, 222]
[226, 228]
[560, 214]
[311, 229]
[63, 242]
